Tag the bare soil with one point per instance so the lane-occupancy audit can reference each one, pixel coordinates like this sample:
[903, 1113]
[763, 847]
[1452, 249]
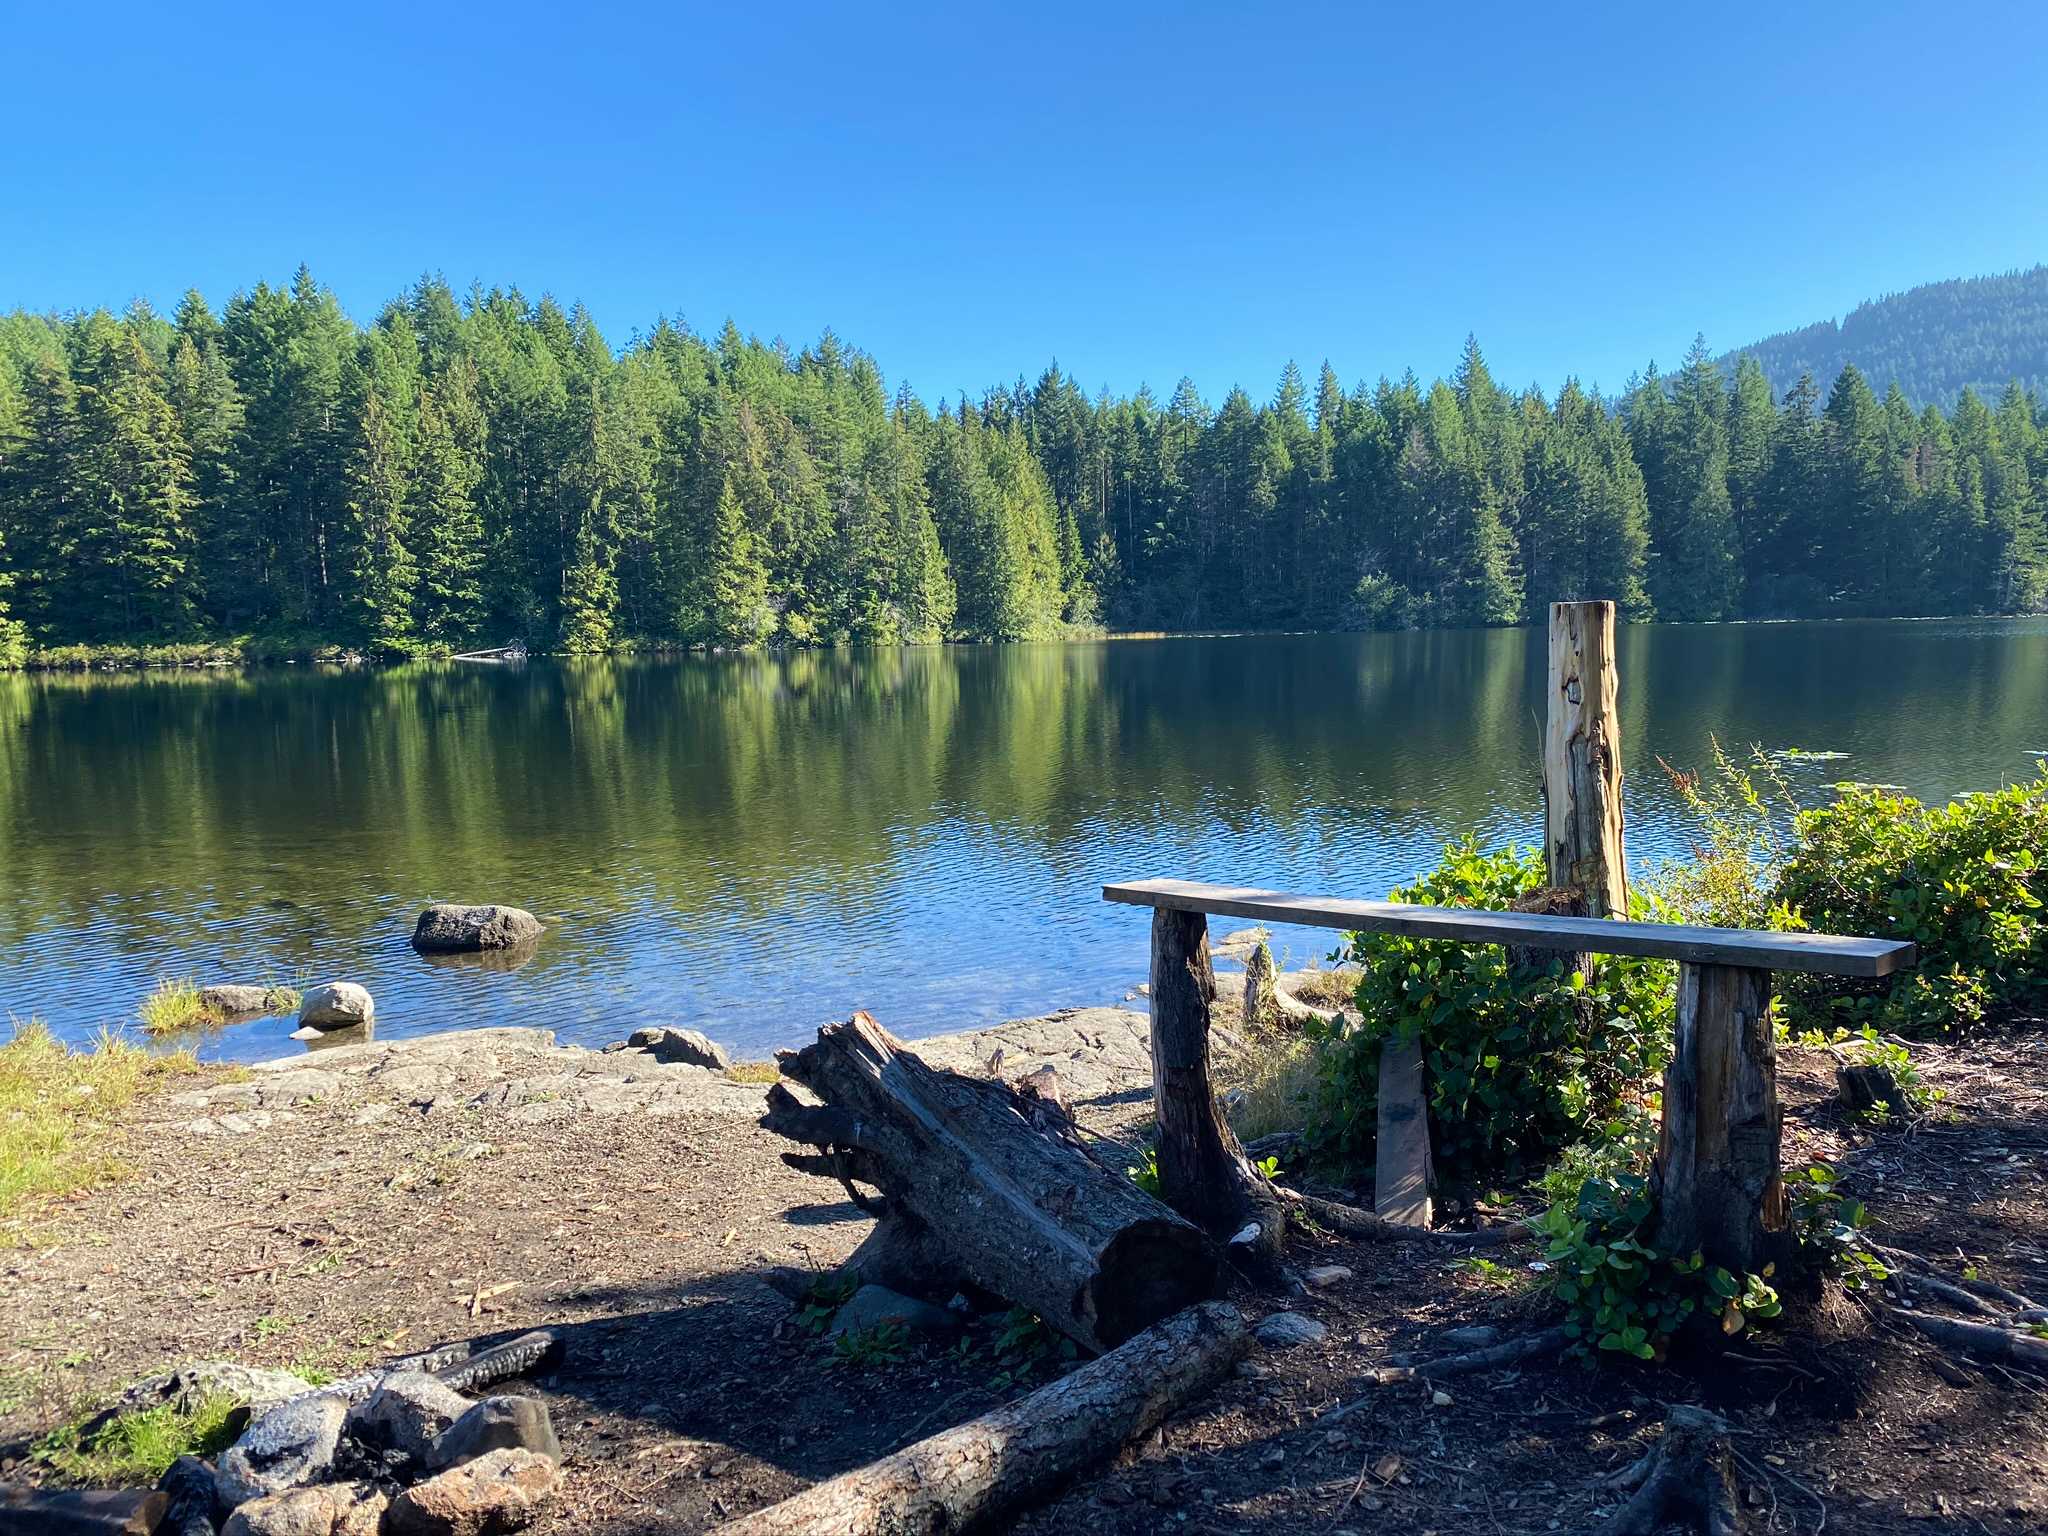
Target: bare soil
[344, 1207]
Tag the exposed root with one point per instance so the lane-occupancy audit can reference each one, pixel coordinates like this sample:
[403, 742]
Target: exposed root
[1352, 1221]
[1529, 1346]
[1972, 1290]
[1688, 1479]
[1983, 1342]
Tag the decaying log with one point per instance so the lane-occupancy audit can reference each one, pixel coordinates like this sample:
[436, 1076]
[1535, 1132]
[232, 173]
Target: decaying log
[1494, 1357]
[977, 1472]
[1719, 1189]
[1203, 1172]
[1582, 760]
[1689, 1479]
[978, 1182]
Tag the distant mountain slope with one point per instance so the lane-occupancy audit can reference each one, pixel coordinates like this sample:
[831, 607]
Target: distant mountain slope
[1980, 332]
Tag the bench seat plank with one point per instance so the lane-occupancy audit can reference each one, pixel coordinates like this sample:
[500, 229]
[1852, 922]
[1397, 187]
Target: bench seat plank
[1824, 954]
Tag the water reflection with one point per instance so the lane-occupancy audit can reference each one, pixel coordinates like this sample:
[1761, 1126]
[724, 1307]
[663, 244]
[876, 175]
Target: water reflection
[753, 844]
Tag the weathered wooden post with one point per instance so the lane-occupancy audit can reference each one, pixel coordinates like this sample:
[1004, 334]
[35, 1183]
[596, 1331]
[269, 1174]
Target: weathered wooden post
[1718, 1185]
[1203, 1172]
[1582, 833]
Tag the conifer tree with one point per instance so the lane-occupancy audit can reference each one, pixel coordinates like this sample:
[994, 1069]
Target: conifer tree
[379, 579]
[445, 524]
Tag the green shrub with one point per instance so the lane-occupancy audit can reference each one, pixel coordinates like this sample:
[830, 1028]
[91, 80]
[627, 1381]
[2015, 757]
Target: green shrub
[1965, 882]
[1521, 1061]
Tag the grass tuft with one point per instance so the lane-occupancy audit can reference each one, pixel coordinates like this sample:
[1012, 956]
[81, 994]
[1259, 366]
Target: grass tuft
[55, 1105]
[173, 1008]
[135, 1449]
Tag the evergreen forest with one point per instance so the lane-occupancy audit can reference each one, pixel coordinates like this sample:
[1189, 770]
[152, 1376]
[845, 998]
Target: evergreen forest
[488, 468]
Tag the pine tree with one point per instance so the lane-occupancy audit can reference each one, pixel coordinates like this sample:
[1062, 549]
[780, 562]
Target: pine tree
[445, 524]
[736, 609]
[379, 578]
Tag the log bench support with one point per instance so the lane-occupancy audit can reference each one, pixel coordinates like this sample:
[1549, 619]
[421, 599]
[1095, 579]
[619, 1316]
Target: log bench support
[1718, 1180]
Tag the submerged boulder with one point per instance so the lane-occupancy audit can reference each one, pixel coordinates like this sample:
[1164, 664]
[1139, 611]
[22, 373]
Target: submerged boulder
[446, 928]
[336, 1005]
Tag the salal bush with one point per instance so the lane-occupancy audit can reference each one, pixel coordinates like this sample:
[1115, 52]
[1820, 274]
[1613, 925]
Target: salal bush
[1521, 1060]
[1966, 882]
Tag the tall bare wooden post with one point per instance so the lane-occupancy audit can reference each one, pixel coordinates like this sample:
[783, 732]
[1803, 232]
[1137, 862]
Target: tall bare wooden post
[1582, 832]
[1718, 1184]
[1203, 1172]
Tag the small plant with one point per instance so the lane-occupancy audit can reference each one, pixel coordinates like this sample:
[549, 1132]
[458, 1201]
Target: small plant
[1022, 1344]
[754, 1072]
[823, 1300]
[885, 1343]
[1146, 1174]
[1487, 1272]
[173, 1008]
[1738, 848]
[1829, 1228]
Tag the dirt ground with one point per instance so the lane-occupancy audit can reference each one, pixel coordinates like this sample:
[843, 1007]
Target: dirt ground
[343, 1208]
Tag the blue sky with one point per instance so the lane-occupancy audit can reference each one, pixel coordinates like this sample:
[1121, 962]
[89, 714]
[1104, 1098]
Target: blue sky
[968, 192]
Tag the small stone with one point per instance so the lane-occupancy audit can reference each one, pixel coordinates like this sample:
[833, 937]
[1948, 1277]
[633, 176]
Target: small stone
[1289, 1330]
[95, 1512]
[336, 1005]
[446, 928]
[1476, 1336]
[1440, 1398]
[872, 1305]
[1323, 1276]
[292, 1444]
[690, 1047]
[332, 1509]
[1273, 1458]
[407, 1413]
[499, 1491]
[496, 1424]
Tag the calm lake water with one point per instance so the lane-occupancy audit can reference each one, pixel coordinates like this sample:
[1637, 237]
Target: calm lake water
[754, 845]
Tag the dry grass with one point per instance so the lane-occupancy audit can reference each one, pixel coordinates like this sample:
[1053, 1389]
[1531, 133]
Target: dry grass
[754, 1072]
[56, 1105]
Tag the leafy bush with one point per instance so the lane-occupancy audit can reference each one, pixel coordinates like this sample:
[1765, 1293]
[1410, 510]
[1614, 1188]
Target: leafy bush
[1965, 882]
[1738, 846]
[1521, 1060]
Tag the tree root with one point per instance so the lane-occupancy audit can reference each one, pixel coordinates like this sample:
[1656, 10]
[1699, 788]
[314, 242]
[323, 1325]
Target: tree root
[1962, 1291]
[1352, 1221]
[1982, 1342]
[1529, 1346]
[1688, 1479]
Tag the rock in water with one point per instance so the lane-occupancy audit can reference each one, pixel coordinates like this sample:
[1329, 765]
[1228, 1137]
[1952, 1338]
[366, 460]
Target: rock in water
[333, 1509]
[445, 928]
[499, 1491]
[496, 1424]
[232, 1001]
[291, 1445]
[688, 1046]
[337, 1005]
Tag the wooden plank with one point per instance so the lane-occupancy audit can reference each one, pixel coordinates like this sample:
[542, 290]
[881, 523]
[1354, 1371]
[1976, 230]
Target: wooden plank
[1824, 954]
[1400, 1191]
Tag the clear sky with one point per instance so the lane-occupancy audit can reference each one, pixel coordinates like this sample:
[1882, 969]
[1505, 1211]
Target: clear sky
[968, 192]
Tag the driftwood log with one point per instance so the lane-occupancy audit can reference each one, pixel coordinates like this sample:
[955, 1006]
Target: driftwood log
[977, 1472]
[981, 1183]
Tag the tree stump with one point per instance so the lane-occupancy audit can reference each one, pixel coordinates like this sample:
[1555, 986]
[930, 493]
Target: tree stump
[1203, 1172]
[982, 1183]
[1718, 1185]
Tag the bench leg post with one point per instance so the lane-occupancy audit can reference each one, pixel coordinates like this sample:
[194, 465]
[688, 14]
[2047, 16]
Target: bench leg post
[1718, 1183]
[1203, 1172]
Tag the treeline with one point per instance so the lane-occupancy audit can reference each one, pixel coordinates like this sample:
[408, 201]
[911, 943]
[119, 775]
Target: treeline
[493, 469]
[1934, 341]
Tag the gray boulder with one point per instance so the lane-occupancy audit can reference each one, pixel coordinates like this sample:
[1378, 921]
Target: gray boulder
[689, 1046]
[499, 1491]
[1289, 1330]
[407, 1413]
[231, 1000]
[336, 1005]
[496, 1424]
[289, 1446]
[446, 928]
[189, 1385]
[873, 1305]
[188, 1484]
[332, 1509]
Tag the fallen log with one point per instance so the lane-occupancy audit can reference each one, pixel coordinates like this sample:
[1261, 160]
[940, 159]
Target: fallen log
[1979, 1341]
[980, 1471]
[1355, 1221]
[983, 1184]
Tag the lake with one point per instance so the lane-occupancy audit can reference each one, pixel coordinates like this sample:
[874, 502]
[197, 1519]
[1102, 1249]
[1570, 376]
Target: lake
[752, 845]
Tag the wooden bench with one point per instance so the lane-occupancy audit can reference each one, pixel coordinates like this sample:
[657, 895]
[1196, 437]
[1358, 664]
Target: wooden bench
[1718, 1157]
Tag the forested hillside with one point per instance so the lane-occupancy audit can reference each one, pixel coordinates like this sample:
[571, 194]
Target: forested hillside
[1934, 341]
[492, 469]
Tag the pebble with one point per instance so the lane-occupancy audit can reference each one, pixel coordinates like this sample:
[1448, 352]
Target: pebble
[1323, 1276]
